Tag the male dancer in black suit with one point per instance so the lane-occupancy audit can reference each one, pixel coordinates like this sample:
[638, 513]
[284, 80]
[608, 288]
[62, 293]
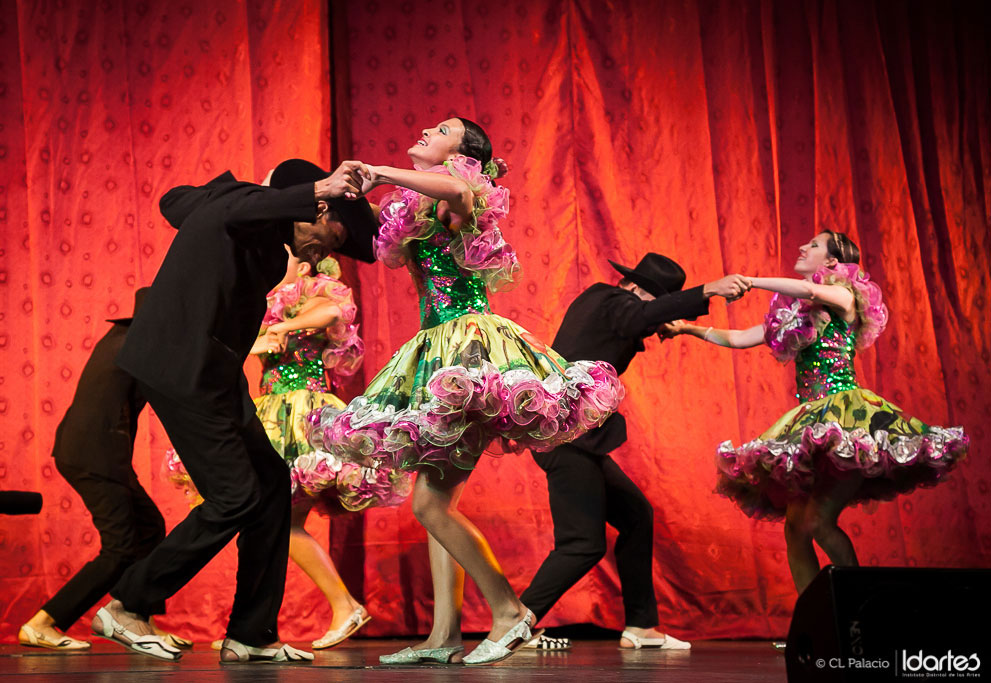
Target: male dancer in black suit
[186, 349]
[587, 489]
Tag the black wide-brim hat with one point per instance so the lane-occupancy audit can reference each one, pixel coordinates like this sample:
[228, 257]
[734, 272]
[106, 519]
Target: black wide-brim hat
[655, 273]
[139, 298]
[298, 171]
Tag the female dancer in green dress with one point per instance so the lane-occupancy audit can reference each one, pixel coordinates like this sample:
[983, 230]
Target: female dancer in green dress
[469, 381]
[842, 444]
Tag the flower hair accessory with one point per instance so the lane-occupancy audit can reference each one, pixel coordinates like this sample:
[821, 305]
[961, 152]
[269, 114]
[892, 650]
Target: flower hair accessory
[330, 267]
[495, 168]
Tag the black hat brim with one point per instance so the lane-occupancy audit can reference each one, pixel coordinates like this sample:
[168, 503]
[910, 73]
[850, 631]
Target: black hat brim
[352, 212]
[652, 286]
[360, 225]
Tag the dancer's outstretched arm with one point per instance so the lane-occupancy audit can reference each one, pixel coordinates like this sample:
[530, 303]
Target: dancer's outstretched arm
[734, 339]
[263, 207]
[455, 193]
[834, 296]
[179, 202]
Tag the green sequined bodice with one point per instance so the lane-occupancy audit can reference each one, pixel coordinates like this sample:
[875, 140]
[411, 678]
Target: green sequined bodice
[446, 291]
[300, 366]
[825, 366]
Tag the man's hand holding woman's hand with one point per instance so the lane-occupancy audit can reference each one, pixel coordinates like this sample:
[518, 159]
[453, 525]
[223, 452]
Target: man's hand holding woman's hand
[730, 287]
[671, 329]
[345, 182]
[352, 179]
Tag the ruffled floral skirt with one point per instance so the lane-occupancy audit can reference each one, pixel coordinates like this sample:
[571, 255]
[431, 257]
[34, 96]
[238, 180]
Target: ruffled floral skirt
[475, 383]
[854, 432]
[315, 475]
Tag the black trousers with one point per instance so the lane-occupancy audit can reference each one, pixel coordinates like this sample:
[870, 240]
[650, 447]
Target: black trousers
[130, 526]
[246, 493]
[586, 492]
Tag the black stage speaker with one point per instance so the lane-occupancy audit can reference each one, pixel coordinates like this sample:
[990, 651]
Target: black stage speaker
[20, 503]
[892, 624]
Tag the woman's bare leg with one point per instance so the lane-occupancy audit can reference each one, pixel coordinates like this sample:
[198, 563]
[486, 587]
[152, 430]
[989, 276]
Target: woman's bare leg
[449, 585]
[828, 504]
[434, 504]
[313, 559]
[802, 559]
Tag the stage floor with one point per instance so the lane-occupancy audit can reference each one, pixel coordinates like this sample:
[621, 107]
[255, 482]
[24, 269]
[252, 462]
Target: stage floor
[590, 661]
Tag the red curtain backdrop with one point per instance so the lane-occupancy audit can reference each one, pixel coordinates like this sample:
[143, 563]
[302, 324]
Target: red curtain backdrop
[722, 134]
[104, 107]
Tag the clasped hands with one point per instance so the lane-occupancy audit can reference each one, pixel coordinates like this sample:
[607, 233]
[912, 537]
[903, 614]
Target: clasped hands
[272, 340]
[352, 179]
[731, 287]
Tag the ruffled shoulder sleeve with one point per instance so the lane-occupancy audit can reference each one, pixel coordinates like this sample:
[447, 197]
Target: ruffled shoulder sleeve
[872, 314]
[406, 216]
[478, 247]
[792, 324]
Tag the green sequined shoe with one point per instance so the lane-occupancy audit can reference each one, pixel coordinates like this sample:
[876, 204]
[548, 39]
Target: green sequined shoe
[408, 655]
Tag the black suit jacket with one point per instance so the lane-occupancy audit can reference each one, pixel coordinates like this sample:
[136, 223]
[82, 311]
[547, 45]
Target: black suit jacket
[97, 432]
[202, 315]
[609, 323]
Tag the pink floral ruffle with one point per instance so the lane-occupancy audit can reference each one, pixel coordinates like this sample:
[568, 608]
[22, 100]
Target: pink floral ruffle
[345, 349]
[356, 487]
[762, 476]
[469, 410]
[792, 324]
[322, 476]
[478, 247]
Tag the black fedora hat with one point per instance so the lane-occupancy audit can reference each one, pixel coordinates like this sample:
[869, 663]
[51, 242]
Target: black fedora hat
[655, 273]
[351, 211]
[139, 298]
[298, 171]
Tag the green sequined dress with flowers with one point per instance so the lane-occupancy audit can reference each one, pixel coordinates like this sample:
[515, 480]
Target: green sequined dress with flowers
[839, 429]
[469, 380]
